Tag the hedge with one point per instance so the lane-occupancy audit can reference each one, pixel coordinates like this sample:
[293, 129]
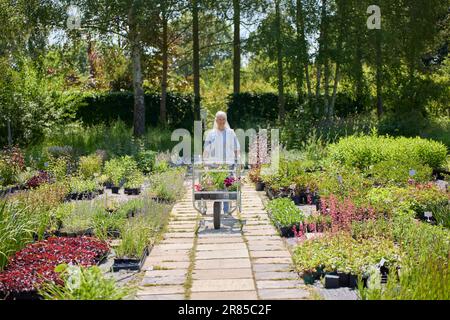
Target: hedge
[365, 151]
[108, 107]
[250, 110]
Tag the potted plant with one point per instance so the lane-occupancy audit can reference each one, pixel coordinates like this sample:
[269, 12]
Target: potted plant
[134, 246]
[134, 182]
[80, 189]
[285, 215]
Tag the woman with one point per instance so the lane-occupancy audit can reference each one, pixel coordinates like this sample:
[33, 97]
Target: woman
[222, 147]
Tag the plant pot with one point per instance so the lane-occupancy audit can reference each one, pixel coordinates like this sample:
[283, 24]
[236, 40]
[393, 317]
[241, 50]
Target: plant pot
[115, 190]
[286, 232]
[88, 232]
[130, 264]
[344, 279]
[108, 185]
[352, 281]
[331, 281]
[308, 278]
[318, 274]
[296, 199]
[132, 191]
[259, 186]
[27, 295]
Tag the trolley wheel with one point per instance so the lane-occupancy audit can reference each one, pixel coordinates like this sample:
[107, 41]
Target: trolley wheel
[217, 210]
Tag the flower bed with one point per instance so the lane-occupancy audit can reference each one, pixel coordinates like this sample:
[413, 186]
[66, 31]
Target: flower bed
[29, 268]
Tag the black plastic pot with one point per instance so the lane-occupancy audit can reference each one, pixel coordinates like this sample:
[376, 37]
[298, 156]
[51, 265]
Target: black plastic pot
[296, 199]
[108, 185]
[259, 186]
[344, 279]
[115, 190]
[331, 281]
[308, 277]
[130, 264]
[88, 232]
[132, 191]
[352, 281]
[82, 196]
[29, 295]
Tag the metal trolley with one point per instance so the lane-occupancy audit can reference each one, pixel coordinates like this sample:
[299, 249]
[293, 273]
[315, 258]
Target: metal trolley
[200, 198]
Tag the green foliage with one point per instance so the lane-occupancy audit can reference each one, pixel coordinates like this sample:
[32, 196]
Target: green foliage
[168, 185]
[134, 180]
[15, 231]
[90, 166]
[79, 185]
[146, 160]
[135, 236]
[342, 253]
[398, 172]
[284, 212]
[118, 169]
[364, 151]
[80, 283]
[108, 107]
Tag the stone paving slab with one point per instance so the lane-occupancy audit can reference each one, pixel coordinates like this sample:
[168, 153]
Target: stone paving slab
[222, 246]
[173, 280]
[279, 284]
[222, 254]
[228, 295]
[220, 285]
[161, 297]
[270, 254]
[283, 294]
[169, 289]
[211, 274]
[223, 264]
[275, 275]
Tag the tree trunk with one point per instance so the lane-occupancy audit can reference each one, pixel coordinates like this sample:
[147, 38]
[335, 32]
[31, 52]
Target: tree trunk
[336, 82]
[196, 59]
[308, 80]
[139, 103]
[10, 138]
[165, 67]
[236, 47]
[318, 79]
[379, 75]
[302, 61]
[279, 62]
[327, 86]
[91, 59]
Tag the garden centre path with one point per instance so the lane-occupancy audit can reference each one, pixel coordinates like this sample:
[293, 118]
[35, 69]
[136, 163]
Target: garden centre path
[245, 259]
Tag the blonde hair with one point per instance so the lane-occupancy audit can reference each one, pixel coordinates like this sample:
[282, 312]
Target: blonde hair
[223, 115]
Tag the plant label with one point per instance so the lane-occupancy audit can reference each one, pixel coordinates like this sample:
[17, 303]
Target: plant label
[428, 215]
[412, 173]
[382, 262]
[340, 179]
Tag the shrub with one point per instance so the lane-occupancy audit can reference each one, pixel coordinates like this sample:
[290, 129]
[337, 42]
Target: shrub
[398, 172]
[90, 166]
[118, 169]
[146, 160]
[167, 186]
[364, 151]
[134, 180]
